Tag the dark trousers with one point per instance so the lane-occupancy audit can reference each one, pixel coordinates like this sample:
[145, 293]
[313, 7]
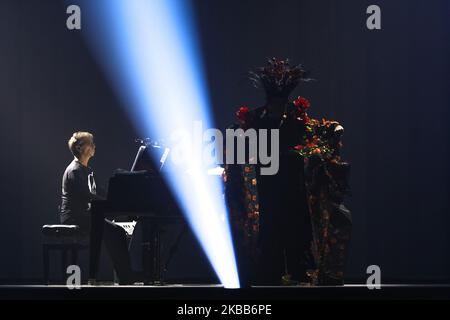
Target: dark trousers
[115, 240]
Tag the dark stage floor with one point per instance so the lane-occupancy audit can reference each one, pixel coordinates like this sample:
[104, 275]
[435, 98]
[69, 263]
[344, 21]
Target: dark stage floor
[217, 292]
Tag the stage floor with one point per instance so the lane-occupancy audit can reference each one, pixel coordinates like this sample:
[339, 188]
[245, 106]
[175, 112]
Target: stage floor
[217, 292]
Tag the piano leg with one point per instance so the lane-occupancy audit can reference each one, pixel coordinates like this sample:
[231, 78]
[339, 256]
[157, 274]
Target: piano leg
[148, 250]
[157, 255]
[96, 236]
[151, 251]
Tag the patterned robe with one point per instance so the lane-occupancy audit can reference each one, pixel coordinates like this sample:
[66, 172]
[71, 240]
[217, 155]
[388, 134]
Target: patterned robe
[324, 184]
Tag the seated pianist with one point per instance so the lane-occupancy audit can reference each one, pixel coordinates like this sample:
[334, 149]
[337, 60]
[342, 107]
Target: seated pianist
[78, 190]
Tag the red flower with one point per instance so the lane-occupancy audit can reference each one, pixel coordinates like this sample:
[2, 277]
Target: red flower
[242, 113]
[298, 147]
[302, 103]
[305, 119]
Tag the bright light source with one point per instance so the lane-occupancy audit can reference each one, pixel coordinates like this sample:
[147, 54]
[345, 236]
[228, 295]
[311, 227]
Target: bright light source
[149, 51]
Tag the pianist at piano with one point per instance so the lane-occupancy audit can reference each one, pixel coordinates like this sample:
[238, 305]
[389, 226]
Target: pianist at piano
[78, 190]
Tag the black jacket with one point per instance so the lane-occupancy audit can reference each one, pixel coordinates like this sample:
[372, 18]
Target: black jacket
[78, 190]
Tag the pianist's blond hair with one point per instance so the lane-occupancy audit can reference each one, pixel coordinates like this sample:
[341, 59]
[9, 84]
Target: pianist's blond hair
[78, 140]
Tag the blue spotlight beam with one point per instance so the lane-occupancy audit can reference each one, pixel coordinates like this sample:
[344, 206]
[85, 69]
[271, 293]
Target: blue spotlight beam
[148, 49]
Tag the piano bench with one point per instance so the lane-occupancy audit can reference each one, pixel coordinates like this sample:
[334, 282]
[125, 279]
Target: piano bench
[65, 239]
[60, 230]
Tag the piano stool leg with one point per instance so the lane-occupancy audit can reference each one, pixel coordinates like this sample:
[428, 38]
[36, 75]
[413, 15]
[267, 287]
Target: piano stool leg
[64, 263]
[45, 258]
[74, 255]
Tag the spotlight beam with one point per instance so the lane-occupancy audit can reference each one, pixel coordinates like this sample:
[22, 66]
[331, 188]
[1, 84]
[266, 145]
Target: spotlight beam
[149, 51]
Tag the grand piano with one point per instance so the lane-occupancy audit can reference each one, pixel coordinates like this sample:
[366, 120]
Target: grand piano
[139, 194]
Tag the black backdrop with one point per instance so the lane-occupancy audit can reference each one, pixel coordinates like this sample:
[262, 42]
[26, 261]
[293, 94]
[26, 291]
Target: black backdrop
[388, 87]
